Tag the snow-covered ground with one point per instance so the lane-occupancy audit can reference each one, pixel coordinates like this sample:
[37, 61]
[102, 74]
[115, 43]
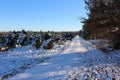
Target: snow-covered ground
[76, 60]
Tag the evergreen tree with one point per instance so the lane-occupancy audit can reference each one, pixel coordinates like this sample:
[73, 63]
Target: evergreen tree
[38, 43]
[46, 36]
[103, 19]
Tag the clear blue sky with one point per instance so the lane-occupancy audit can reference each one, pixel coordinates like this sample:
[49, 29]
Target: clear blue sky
[52, 15]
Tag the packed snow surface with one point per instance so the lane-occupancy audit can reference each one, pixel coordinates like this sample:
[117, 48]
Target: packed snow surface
[76, 60]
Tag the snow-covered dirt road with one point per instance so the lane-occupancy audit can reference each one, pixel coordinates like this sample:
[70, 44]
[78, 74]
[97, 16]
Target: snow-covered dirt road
[80, 60]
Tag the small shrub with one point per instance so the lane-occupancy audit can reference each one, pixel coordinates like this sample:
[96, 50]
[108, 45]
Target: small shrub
[24, 42]
[46, 36]
[49, 45]
[38, 43]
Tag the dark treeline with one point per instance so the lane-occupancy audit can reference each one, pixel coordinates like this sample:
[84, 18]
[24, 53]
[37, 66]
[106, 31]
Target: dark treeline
[103, 21]
[10, 40]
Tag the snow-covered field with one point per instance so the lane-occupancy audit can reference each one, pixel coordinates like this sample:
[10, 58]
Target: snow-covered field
[76, 60]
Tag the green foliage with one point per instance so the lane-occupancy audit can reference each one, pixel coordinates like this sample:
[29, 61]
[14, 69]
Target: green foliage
[56, 40]
[69, 36]
[12, 41]
[1, 39]
[38, 43]
[24, 32]
[24, 38]
[103, 19]
[103, 15]
[46, 36]
[24, 42]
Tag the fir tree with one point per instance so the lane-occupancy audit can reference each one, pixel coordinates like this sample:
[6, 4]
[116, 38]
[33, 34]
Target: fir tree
[38, 43]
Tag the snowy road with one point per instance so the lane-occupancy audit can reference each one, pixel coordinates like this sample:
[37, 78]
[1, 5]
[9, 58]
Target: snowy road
[77, 61]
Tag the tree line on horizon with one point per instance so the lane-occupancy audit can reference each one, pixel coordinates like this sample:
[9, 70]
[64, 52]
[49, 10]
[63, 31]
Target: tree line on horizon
[11, 40]
[103, 21]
